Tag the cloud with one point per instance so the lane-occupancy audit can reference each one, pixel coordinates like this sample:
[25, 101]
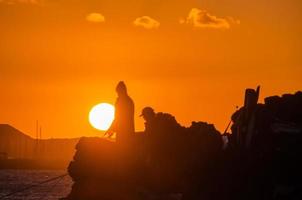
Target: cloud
[146, 22]
[203, 19]
[233, 21]
[21, 1]
[95, 18]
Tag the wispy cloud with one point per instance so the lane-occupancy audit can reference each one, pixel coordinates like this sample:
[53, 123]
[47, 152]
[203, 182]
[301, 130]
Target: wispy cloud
[95, 17]
[146, 22]
[203, 19]
[233, 21]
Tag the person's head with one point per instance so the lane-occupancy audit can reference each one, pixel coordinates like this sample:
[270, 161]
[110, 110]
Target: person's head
[121, 88]
[148, 113]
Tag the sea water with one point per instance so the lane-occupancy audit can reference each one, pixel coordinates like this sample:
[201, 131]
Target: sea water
[13, 180]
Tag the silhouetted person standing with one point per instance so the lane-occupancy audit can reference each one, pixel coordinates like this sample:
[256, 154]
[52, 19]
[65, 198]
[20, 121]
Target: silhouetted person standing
[123, 124]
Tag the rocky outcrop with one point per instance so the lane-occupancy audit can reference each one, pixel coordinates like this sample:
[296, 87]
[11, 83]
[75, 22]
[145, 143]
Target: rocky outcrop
[261, 161]
[102, 169]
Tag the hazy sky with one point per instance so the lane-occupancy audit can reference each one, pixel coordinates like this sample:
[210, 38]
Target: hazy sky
[193, 59]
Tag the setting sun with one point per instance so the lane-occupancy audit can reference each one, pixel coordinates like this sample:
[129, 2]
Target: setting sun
[101, 116]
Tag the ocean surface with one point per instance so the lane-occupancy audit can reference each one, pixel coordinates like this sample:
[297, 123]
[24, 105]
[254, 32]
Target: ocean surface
[13, 180]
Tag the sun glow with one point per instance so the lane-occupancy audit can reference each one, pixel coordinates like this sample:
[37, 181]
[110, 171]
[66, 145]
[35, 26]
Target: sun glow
[101, 116]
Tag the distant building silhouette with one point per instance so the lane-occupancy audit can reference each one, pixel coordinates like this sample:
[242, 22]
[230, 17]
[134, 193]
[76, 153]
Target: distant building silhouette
[16, 145]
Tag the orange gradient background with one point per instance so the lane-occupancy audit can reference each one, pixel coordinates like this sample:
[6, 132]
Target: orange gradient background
[55, 65]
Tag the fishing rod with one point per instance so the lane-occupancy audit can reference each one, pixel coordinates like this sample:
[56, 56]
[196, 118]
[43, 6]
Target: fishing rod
[227, 128]
[32, 186]
[230, 122]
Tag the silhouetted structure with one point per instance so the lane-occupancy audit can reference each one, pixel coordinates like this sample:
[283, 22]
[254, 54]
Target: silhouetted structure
[266, 147]
[23, 151]
[123, 124]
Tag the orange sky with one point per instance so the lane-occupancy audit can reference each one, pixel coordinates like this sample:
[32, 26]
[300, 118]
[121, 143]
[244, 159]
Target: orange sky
[190, 58]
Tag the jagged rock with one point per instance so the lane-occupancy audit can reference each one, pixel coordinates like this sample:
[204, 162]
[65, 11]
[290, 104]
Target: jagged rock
[273, 158]
[189, 163]
[101, 169]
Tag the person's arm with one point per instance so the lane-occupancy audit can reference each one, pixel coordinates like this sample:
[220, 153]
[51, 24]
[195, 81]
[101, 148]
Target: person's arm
[112, 128]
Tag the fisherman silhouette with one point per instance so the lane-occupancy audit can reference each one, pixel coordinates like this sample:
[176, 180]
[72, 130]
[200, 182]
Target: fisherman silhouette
[161, 130]
[150, 125]
[149, 116]
[163, 140]
[123, 124]
[159, 127]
